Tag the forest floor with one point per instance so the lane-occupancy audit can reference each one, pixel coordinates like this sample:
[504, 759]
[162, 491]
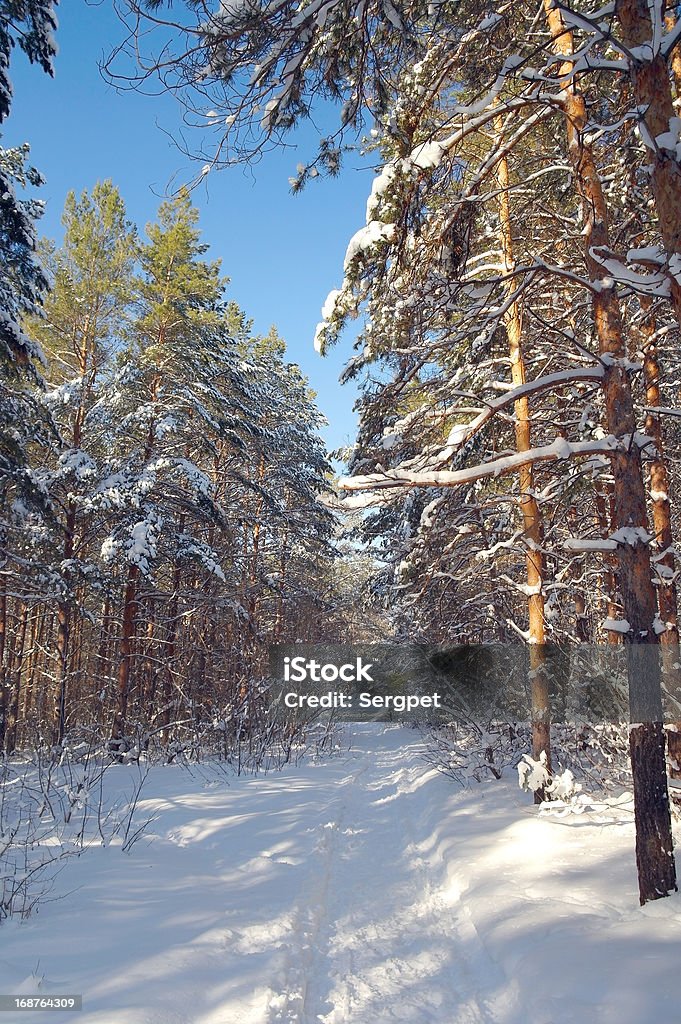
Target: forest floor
[363, 888]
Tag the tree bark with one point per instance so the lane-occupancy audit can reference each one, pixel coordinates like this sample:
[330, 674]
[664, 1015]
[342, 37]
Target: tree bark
[653, 93]
[127, 638]
[662, 524]
[656, 875]
[14, 689]
[655, 861]
[604, 509]
[532, 523]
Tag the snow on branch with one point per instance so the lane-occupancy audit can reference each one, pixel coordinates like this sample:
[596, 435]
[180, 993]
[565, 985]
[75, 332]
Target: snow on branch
[559, 450]
[461, 433]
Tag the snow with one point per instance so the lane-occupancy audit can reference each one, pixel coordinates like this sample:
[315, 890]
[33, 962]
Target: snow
[616, 625]
[366, 238]
[140, 546]
[533, 775]
[330, 303]
[378, 187]
[427, 155]
[670, 140]
[631, 535]
[648, 253]
[78, 462]
[490, 22]
[318, 342]
[362, 888]
[393, 479]
[586, 544]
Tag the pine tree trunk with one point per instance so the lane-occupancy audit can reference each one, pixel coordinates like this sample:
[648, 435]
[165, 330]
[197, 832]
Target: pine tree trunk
[533, 530]
[581, 620]
[605, 526]
[279, 617]
[32, 669]
[64, 627]
[670, 24]
[664, 562]
[653, 94]
[654, 846]
[13, 690]
[171, 647]
[127, 637]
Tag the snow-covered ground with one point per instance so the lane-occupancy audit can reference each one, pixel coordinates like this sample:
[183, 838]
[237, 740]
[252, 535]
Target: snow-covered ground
[363, 889]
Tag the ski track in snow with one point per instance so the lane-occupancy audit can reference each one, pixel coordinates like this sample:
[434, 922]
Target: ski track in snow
[364, 889]
[348, 963]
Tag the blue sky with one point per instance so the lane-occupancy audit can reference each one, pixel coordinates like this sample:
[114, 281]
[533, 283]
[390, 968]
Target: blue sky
[283, 253]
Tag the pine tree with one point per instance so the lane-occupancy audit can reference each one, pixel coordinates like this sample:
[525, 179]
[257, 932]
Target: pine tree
[177, 394]
[80, 328]
[22, 286]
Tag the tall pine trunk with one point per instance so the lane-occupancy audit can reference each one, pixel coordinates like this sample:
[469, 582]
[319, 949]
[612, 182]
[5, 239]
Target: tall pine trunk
[126, 649]
[653, 95]
[654, 846]
[532, 524]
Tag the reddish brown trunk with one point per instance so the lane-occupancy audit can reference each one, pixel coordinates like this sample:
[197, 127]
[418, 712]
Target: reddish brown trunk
[532, 524]
[171, 647]
[665, 561]
[28, 695]
[64, 611]
[124, 665]
[581, 620]
[670, 22]
[279, 618]
[653, 94]
[654, 845]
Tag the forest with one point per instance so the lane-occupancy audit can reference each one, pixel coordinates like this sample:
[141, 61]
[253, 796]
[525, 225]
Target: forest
[511, 311]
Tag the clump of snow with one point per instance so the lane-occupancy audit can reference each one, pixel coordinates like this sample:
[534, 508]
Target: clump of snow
[533, 775]
[79, 463]
[631, 535]
[141, 545]
[329, 306]
[427, 155]
[616, 625]
[366, 238]
[378, 188]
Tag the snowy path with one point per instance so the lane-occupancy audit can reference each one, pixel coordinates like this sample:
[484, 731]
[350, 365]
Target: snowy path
[365, 889]
[372, 937]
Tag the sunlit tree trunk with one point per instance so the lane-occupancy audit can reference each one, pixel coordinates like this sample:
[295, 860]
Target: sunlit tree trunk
[532, 523]
[654, 847]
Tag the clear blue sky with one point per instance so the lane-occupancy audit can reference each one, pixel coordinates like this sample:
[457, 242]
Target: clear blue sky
[283, 253]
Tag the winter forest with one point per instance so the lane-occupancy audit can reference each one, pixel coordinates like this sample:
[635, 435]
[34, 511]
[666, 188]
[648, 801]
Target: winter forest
[508, 316]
